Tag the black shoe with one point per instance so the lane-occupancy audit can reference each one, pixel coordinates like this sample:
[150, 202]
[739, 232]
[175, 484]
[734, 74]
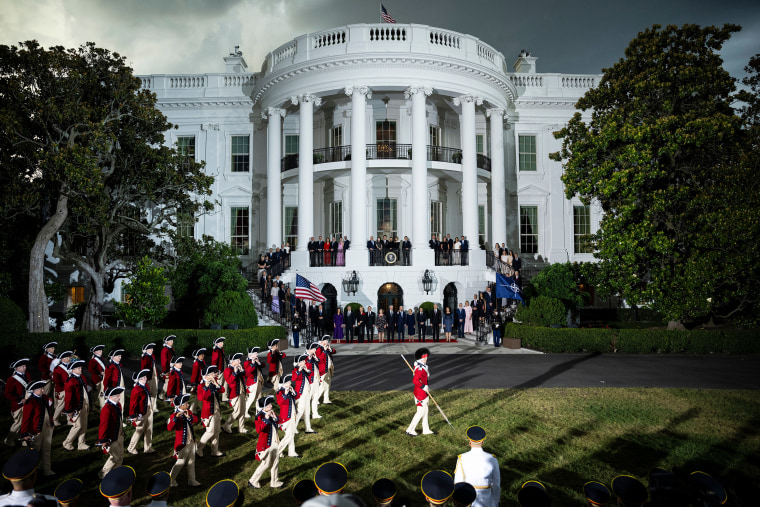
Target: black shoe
[410, 434]
[252, 486]
[310, 432]
[296, 456]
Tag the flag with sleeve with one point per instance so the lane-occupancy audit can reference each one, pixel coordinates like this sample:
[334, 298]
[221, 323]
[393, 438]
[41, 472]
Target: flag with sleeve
[385, 16]
[506, 287]
[307, 290]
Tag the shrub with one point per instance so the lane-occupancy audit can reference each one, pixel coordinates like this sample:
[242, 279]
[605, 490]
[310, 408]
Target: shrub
[354, 307]
[231, 307]
[543, 311]
[427, 306]
[12, 317]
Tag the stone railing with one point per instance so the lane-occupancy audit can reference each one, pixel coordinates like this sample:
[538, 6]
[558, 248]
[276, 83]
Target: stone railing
[579, 81]
[197, 81]
[387, 34]
[445, 38]
[199, 85]
[527, 80]
[330, 38]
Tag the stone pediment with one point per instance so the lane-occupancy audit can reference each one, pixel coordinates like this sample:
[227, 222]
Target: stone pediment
[235, 191]
[532, 190]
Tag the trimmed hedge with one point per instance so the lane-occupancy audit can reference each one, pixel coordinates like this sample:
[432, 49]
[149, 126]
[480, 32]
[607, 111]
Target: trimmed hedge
[132, 341]
[635, 341]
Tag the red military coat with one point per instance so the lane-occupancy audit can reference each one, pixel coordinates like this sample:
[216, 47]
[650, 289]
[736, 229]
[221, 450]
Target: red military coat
[167, 353]
[209, 396]
[97, 368]
[60, 376]
[110, 422]
[251, 372]
[15, 389]
[36, 409]
[176, 383]
[138, 400]
[274, 359]
[324, 358]
[196, 377]
[420, 380]
[113, 377]
[235, 380]
[300, 381]
[267, 430]
[183, 428]
[44, 365]
[217, 358]
[287, 403]
[148, 362]
[76, 393]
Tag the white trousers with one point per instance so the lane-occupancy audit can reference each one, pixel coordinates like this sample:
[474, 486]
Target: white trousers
[421, 415]
[115, 455]
[254, 392]
[211, 436]
[185, 457]
[238, 413]
[269, 459]
[79, 429]
[303, 408]
[144, 430]
[289, 439]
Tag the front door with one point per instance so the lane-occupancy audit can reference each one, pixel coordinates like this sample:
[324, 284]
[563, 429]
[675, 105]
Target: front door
[390, 294]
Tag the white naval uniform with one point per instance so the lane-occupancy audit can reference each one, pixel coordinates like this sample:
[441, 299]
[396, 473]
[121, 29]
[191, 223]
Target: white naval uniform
[22, 497]
[480, 469]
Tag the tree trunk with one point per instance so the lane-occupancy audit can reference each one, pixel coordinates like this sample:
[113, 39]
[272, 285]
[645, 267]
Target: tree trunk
[93, 314]
[38, 303]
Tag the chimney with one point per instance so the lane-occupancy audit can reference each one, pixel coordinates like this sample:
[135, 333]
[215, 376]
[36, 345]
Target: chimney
[525, 63]
[235, 63]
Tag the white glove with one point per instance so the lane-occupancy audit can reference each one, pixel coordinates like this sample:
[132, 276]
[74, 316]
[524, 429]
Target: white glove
[425, 388]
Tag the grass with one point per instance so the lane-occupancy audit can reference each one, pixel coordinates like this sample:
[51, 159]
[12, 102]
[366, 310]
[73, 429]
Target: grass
[563, 437]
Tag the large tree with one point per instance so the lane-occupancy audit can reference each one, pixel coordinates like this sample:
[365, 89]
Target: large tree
[662, 155]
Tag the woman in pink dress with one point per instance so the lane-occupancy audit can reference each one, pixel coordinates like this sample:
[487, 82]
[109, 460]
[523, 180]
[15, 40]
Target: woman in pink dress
[340, 261]
[468, 317]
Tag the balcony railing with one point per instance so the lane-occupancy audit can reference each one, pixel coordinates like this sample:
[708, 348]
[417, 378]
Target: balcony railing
[385, 151]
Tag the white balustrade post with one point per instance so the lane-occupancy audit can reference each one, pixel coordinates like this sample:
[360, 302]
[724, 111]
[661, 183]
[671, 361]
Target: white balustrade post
[498, 189]
[305, 167]
[274, 175]
[469, 169]
[358, 235]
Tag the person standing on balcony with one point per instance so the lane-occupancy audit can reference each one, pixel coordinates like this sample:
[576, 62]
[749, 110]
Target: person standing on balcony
[319, 249]
[312, 249]
[406, 248]
[371, 248]
[457, 252]
[465, 249]
[340, 258]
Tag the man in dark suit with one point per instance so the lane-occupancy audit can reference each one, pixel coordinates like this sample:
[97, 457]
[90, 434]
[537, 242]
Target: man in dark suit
[379, 251]
[435, 246]
[391, 318]
[488, 296]
[421, 318]
[319, 248]
[516, 263]
[333, 252]
[349, 319]
[371, 248]
[371, 321]
[361, 322]
[400, 322]
[346, 242]
[313, 311]
[311, 245]
[461, 316]
[320, 321]
[435, 322]
[406, 248]
[465, 248]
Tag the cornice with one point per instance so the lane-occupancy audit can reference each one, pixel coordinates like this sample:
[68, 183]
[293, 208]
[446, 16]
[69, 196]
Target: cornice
[545, 103]
[450, 65]
[205, 103]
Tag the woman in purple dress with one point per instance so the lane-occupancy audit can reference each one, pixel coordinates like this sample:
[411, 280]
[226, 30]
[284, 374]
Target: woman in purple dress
[341, 261]
[338, 321]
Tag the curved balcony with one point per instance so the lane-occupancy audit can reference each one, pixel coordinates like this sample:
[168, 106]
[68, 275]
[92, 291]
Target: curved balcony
[388, 151]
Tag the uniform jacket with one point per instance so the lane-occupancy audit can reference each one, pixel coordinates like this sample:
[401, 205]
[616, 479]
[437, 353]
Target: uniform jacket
[110, 422]
[148, 362]
[210, 397]
[60, 376]
[176, 385]
[196, 377]
[273, 360]
[36, 409]
[267, 429]
[300, 381]
[480, 469]
[139, 400]
[251, 372]
[15, 389]
[113, 376]
[217, 358]
[287, 404]
[97, 368]
[420, 380]
[167, 353]
[236, 381]
[325, 357]
[44, 365]
[76, 392]
[183, 428]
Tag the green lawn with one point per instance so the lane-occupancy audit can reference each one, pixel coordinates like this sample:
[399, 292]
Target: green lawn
[563, 437]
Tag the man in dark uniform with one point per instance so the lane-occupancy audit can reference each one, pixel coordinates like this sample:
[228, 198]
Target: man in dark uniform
[371, 321]
[349, 320]
[117, 485]
[406, 248]
[435, 322]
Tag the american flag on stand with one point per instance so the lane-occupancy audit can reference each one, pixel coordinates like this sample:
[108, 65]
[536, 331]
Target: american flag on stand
[307, 290]
[385, 16]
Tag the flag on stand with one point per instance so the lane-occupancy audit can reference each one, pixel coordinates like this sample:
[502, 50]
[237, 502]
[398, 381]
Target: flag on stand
[307, 290]
[385, 16]
[506, 287]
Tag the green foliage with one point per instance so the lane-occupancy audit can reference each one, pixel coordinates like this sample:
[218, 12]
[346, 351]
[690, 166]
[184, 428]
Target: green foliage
[427, 306]
[662, 155]
[561, 281]
[542, 311]
[13, 319]
[202, 270]
[231, 307]
[621, 315]
[561, 340]
[354, 307]
[146, 298]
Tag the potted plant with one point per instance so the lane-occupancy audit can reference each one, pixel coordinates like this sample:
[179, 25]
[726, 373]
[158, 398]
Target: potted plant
[457, 157]
[318, 158]
[410, 153]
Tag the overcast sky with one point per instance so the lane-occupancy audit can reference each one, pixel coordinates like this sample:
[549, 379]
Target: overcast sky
[192, 36]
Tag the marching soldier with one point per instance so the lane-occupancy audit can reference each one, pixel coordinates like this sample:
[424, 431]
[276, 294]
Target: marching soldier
[176, 380]
[111, 430]
[218, 360]
[76, 407]
[97, 369]
[480, 469]
[199, 365]
[533, 494]
[210, 394]
[60, 377]
[21, 470]
[437, 486]
[316, 382]
[421, 397]
[141, 413]
[15, 391]
[274, 360]
[234, 377]
[267, 447]
[158, 488]
[181, 422]
[464, 495]
[326, 368]
[331, 478]
[286, 401]
[253, 379]
[37, 423]
[167, 353]
[67, 493]
[117, 485]
[302, 374]
[148, 362]
[114, 376]
[44, 363]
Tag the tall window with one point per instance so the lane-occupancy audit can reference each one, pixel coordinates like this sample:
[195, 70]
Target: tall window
[76, 294]
[480, 144]
[239, 238]
[185, 224]
[186, 148]
[481, 225]
[582, 229]
[529, 229]
[436, 218]
[291, 144]
[290, 232]
[337, 136]
[387, 218]
[527, 153]
[336, 219]
[240, 154]
[385, 132]
[434, 138]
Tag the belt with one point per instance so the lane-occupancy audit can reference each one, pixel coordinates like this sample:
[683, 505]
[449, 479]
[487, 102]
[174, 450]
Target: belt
[482, 487]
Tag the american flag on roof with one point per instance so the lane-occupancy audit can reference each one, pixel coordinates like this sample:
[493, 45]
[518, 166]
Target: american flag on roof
[307, 290]
[385, 16]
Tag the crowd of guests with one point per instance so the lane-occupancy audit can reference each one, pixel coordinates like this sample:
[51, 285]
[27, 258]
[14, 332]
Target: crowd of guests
[508, 262]
[379, 248]
[275, 261]
[328, 252]
[450, 251]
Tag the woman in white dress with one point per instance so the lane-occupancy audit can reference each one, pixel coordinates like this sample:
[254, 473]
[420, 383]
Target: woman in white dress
[467, 317]
[457, 248]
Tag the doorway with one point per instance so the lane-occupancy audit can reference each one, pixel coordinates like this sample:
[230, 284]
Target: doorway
[390, 294]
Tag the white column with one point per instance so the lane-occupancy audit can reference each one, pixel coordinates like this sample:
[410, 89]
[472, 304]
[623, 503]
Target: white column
[274, 175]
[498, 188]
[420, 208]
[469, 169]
[358, 235]
[305, 167]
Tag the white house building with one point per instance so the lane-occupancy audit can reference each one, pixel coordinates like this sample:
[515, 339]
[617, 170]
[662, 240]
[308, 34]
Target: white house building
[377, 129]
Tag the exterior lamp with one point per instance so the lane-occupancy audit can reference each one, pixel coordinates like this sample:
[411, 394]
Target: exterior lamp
[429, 281]
[351, 283]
